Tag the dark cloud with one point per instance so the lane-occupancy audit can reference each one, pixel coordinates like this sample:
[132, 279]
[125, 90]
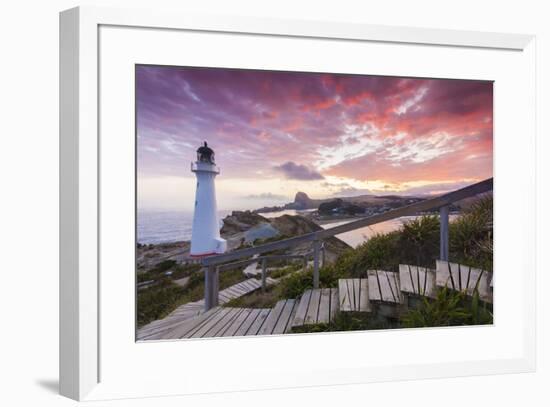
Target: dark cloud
[291, 170]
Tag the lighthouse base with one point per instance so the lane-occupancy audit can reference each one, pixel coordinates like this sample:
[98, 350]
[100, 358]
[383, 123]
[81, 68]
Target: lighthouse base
[220, 247]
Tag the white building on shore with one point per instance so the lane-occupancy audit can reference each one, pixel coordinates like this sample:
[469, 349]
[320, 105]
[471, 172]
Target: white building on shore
[205, 236]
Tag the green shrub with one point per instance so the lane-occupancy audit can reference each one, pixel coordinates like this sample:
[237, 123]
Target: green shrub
[283, 271]
[185, 270]
[471, 238]
[296, 283]
[349, 321]
[420, 241]
[447, 309]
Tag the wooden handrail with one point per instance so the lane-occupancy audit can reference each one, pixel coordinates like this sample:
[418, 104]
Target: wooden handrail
[428, 204]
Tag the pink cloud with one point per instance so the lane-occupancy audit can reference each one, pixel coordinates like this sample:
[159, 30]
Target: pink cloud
[264, 119]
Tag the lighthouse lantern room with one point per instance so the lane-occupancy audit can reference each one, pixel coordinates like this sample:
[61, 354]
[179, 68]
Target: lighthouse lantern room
[205, 237]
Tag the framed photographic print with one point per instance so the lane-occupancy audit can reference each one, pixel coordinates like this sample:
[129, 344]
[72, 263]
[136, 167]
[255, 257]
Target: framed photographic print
[280, 191]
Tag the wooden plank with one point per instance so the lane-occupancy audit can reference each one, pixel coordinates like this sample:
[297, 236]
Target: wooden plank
[487, 294]
[355, 283]
[156, 330]
[283, 321]
[181, 330]
[458, 270]
[237, 322]
[232, 292]
[430, 288]
[224, 297]
[334, 303]
[364, 303]
[459, 277]
[252, 315]
[288, 327]
[205, 328]
[224, 323]
[240, 289]
[184, 326]
[396, 289]
[483, 287]
[251, 285]
[271, 321]
[258, 322]
[313, 308]
[323, 317]
[407, 279]
[375, 293]
[344, 295]
[385, 286]
[300, 316]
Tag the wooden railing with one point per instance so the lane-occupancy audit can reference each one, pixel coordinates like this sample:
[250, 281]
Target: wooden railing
[214, 264]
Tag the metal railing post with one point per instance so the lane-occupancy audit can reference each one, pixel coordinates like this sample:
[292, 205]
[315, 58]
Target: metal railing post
[323, 254]
[444, 233]
[264, 272]
[316, 249]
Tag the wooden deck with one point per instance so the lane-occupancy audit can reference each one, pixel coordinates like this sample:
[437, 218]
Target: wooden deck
[382, 291]
[226, 321]
[317, 306]
[384, 286]
[416, 280]
[192, 310]
[464, 278]
[354, 295]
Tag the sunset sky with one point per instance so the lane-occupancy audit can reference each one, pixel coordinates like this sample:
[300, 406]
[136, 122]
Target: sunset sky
[277, 133]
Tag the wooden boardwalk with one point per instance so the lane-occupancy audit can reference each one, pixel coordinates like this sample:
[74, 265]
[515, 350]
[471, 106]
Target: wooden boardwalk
[227, 321]
[193, 309]
[382, 291]
[418, 281]
[464, 278]
[354, 295]
[317, 306]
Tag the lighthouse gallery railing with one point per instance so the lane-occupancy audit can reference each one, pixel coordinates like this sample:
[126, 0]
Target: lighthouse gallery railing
[212, 264]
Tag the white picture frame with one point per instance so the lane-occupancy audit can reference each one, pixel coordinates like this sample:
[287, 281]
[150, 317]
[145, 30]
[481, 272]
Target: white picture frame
[87, 373]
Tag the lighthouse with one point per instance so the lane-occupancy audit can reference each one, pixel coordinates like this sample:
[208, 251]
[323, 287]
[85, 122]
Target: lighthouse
[205, 237]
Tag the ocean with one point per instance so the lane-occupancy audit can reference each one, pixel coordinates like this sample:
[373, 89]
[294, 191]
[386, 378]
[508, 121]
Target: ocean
[173, 226]
[165, 226]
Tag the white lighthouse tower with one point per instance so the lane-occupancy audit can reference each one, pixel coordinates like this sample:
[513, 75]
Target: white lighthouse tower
[205, 237]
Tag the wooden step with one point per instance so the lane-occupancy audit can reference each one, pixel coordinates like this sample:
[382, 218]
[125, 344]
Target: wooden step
[468, 279]
[383, 286]
[188, 327]
[416, 280]
[280, 318]
[316, 306]
[354, 295]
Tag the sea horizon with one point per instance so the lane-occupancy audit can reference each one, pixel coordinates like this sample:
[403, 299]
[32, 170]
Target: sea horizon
[169, 226]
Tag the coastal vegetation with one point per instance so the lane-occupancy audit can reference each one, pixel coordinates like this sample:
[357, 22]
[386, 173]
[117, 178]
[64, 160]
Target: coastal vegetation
[417, 242]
